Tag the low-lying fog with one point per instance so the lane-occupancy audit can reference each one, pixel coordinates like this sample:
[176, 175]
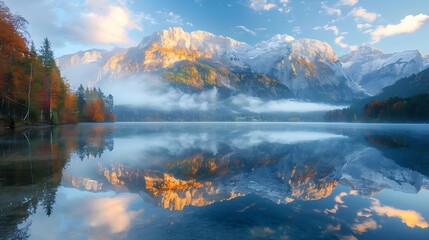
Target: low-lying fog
[150, 92]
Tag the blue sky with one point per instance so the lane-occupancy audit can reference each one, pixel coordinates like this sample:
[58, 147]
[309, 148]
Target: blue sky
[73, 25]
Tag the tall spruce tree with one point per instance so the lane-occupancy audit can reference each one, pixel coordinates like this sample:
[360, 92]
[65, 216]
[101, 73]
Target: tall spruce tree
[48, 62]
[80, 101]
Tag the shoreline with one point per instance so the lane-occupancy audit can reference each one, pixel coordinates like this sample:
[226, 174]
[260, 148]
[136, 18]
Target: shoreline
[25, 127]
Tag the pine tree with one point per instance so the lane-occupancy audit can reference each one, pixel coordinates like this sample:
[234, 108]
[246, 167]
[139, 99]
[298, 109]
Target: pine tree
[80, 101]
[109, 103]
[47, 56]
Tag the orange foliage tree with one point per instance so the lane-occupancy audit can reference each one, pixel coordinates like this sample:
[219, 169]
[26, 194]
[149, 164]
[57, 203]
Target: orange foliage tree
[96, 107]
[32, 89]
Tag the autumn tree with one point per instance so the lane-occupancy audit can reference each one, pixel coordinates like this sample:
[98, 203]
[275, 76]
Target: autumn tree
[95, 106]
[32, 89]
[13, 53]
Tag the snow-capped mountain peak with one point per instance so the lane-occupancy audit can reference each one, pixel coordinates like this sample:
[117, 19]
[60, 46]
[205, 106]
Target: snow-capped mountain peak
[81, 57]
[308, 67]
[361, 55]
[373, 70]
[275, 42]
[313, 49]
[166, 47]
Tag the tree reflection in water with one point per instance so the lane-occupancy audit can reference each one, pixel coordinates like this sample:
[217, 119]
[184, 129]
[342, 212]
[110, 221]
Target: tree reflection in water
[31, 167]
[180, 166]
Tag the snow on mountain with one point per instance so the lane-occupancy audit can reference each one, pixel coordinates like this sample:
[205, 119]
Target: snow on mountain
[369, 172]
[425, 61]
[165, 48]
[85, 67]
[373, 70]
[308, 67]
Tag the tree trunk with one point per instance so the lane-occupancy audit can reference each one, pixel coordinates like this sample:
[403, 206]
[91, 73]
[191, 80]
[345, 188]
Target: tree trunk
[50, 102]
[29, 91]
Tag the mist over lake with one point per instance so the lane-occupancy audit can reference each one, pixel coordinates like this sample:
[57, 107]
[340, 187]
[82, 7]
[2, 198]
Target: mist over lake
[214, 119]
[216, 180]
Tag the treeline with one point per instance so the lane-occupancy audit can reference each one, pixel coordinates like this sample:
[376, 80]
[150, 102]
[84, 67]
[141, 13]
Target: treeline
[32, 90]
[94, 106]
[140, 114]
[412, 109]
[407, 100]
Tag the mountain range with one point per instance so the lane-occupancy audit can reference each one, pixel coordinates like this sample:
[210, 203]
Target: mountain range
[373, 70]
[280, 67]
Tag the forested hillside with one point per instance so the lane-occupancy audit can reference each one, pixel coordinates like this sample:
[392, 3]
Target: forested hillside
[32, 90]
[395, 109]
[405, 101]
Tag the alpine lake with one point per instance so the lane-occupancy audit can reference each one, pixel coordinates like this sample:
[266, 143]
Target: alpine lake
[215, 181]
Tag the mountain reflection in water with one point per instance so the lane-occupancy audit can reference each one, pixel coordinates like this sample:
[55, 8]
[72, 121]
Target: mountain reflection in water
[324, 181]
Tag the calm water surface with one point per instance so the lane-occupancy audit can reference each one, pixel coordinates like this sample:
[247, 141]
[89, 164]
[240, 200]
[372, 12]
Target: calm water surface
[215, 181]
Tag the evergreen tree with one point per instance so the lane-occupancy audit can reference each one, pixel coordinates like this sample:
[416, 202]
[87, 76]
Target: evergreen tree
[32, 89]
[80, 100]
[109, 103]
[47, 56]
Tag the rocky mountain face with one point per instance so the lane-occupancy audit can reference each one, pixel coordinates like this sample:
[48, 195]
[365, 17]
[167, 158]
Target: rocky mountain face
[373, 70]
[415, 84]
[309, 67]
[280, 67]
[85, 67]
[425, 61]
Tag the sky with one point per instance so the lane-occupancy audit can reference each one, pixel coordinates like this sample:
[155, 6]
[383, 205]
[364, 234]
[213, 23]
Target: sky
[74, 25]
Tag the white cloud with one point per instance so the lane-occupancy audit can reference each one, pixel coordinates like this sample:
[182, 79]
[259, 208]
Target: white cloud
[109, 24]
[347, 2]
[409, 24]
[284, 10]
[246, 29]
[297, 30]
[148, 91]
[148, 18]
[101, 214]
[339, 42]
[409, 217]
[90, 22]
[259, 5]
[331, 10]
[333, 29]
[365, 226]
[361, 26]
[339, 198]
[267, 5]
[362, 13]
[254, 104]
[173, 18]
